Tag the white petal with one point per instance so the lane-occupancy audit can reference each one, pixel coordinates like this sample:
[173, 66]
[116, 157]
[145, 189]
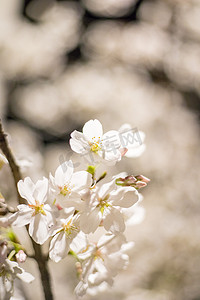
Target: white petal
[59, 247]
[41, 189]
[26, 277]
[125, 127]
[78, 142]
[116, 262]
[97, 278]
[79, 243]
[77, 146]
[104, 239]
[18, 271]
[64, 173]
[74, 201]
[111, 145]
[114, 221]
[93, 130]
[81, 180]
[135, 151]
[25, 189]
[124, 197]
[133, 140]
[104, 286]
[111, 141]
[112, 156]
[22, 217]
[51, 214]
[81, 288]
[127, 247]
[115, 244]
[38, 228]
[134, 215]
[106, 188]
[79, 136]
[90, 221]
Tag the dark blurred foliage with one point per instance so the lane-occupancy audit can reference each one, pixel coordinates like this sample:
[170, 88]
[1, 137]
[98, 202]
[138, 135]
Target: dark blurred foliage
[158, 75]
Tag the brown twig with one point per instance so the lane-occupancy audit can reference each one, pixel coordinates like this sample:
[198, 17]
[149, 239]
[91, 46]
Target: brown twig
[39, 256]
[13, 165]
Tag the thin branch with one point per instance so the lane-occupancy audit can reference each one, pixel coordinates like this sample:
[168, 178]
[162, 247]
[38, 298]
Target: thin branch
[13, 165]
[39, 256]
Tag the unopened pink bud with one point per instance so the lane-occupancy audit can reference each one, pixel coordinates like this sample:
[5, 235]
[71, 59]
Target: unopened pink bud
[127, 181]
[21, 256]
[130, 179]
[140, 184]
[142, 178]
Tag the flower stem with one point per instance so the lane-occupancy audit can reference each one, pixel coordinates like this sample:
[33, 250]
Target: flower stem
[39, 256]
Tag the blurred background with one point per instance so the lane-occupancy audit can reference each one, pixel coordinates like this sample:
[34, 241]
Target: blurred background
[63, 63]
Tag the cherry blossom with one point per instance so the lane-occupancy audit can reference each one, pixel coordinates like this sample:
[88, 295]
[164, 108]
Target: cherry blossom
[9, 270]
[70, 207]
[101, 262]
[66, 235]
[103, 206]
[36, 213]
[66, 185]
[95, 146]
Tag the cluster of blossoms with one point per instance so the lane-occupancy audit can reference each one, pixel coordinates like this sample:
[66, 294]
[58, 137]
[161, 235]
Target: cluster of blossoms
[70, 207]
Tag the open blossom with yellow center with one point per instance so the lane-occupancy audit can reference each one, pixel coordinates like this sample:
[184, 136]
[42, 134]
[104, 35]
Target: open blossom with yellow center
[65, 190]
[69, 227]
[102, 261]
[38, 208]
[65, 236]
[105, 207]
[103, 203]
[106, 146]
[36, 213]
[66, 185]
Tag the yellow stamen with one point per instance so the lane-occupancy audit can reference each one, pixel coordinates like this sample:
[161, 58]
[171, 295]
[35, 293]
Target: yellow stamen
[95, 145]
[65, 190]
[69, 227]
[38, 208]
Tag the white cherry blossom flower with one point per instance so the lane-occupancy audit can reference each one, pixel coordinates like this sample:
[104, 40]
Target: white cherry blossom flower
[67, 185]
[36, 213]
[104, 207]
[9, 270]
[101, 262]
[95, 146]
[66, 235]
[132, 140]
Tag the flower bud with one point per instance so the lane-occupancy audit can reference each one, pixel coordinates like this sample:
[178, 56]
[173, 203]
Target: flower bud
[142, 178]
[21, 256]
[79, 269]
[137, 182]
